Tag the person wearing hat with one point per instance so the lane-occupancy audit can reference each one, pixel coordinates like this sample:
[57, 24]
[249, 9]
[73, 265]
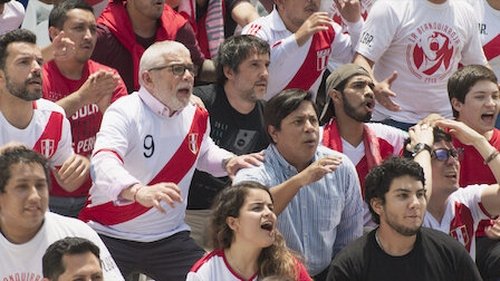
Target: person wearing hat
[350, 89]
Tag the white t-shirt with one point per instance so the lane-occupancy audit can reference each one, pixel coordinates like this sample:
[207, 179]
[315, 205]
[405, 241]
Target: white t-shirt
[302, 67]
[137, 139]
[11, 17]
[489, 31]
[24, 261]
[461, 218]
[424, 43]
[36, 20]
[56, 147]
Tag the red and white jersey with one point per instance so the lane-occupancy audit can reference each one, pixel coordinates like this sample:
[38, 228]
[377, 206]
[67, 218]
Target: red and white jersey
[140, 143]
[472, 167]
[461, 218]
[330, 7]
[302, 67]
[424, 42]
[86, 121]
[215, 266]
[489, 31]
[48, 132]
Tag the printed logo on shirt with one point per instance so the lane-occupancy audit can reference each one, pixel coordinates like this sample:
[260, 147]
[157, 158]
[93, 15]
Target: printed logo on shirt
[461, 235]
[85, 111]
[47, 147]
[322, 58]
[430, 50]
[25, 276]
[193, 142]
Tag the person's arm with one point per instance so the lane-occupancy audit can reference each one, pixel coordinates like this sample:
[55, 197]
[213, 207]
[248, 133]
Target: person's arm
[490, 197]
[422, 135]
[244, 13]
[69, 169]
[97, 89]
[382, 90]
[283, 193]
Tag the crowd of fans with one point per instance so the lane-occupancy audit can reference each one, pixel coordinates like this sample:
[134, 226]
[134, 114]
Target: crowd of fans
[249, 140]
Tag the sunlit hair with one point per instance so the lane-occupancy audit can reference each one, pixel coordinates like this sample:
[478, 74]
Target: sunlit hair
[13, 154]
[273, 260]
[153, 56]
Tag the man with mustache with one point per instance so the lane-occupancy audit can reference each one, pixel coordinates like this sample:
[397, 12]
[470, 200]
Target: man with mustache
[82, 87]
[236, 118]
[316, 190]
[147, 149]
[400, 248]
[26, 118]
[350, 89]
[305, 41]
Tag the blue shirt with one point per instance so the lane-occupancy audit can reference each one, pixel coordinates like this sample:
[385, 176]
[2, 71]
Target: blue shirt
[323, 217]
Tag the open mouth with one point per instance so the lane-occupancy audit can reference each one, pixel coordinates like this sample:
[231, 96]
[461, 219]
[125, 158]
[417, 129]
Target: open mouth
[267, 226]
[488, 117]
[370, 104]
[451, 175]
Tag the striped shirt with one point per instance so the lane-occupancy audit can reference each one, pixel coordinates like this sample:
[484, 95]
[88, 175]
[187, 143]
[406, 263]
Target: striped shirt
[323, 216]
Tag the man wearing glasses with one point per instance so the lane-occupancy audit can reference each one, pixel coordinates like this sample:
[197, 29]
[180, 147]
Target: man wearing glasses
[146, 151]
[453, 210]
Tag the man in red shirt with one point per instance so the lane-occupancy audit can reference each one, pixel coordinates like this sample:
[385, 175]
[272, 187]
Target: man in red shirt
[82, 87]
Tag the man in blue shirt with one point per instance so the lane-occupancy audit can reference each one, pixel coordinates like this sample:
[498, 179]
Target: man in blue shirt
[316, 190]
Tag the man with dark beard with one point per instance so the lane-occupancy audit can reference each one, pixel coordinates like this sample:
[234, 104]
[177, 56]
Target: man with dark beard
[400, 248]
[350, 88]
[35, 122]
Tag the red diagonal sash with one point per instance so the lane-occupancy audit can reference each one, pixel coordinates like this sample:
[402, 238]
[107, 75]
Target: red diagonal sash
[492, 48]
[48, 142]
[173, 171]
[314, 64]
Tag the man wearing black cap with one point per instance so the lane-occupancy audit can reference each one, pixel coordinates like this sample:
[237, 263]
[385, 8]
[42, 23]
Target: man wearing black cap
[350, 88]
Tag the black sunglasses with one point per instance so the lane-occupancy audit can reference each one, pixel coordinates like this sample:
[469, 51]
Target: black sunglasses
[442, 154]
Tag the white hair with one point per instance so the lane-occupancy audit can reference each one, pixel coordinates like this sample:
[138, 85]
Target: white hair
[152, 57]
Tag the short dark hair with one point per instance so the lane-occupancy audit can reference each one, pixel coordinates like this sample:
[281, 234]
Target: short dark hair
[284, 103]
[11, 155]
[52, 261]
[465, 78]
[236, 49]
[439, 135]
[58, 14]
[14, 36]
[380, 178]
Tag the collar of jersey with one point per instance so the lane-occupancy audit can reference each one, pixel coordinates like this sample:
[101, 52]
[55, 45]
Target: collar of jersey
[155, 105]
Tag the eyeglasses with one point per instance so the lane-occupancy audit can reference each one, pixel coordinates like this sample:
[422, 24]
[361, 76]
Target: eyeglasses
[443, 155]
[178, 69]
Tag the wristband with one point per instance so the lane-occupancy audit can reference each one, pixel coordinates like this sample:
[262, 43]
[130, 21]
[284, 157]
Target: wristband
[492, 156]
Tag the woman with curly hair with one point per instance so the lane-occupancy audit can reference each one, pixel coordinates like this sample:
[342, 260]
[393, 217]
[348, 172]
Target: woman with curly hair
[247, 244]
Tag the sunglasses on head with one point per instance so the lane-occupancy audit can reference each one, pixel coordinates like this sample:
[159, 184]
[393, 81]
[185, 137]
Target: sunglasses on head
[442, 154]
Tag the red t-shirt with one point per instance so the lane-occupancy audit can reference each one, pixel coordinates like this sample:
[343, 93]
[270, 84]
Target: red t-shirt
[85, 122]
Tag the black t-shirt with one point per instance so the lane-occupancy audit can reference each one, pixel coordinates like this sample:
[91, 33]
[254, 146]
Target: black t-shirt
[435, 257]
[231, 130]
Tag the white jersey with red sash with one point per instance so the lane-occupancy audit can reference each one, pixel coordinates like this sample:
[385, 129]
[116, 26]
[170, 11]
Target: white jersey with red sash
[489, 31]
[137, 143]
[461, 218]
[302, 67]
[48, 132]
